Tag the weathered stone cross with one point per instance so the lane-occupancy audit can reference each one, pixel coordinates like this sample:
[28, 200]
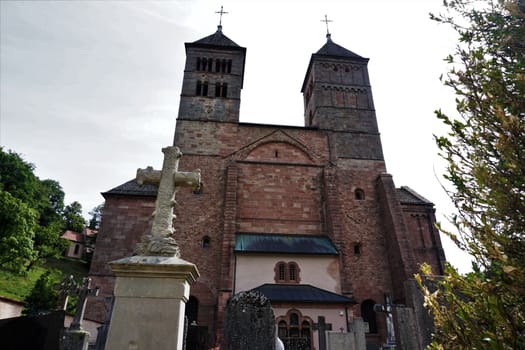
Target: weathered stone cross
[83, 291]
[66, 287]
[321, 327]
[387, 310]
[160, 242]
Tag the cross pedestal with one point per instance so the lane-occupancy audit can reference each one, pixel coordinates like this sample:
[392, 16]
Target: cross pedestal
[150, 297]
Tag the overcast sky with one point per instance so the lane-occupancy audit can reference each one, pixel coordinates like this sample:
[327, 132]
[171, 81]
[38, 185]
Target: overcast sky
[89, 90]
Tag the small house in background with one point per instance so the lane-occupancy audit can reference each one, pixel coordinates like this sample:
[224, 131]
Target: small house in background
[81, 244]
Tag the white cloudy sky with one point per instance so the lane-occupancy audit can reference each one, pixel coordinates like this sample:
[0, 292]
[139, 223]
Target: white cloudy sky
[89, 90]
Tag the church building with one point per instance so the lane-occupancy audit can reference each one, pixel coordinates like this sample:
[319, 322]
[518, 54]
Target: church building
[308, 216]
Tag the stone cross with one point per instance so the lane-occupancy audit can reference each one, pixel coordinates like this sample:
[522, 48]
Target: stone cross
[65, 288]
[83, 291]
[387, 310]
[321, 327]
[169, 179]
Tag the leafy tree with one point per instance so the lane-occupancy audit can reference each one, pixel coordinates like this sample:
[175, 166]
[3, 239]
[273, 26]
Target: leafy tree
[485, 152]
[17, 177]
[17, 231]
[96, 216]
[73, 219]
[43, 297]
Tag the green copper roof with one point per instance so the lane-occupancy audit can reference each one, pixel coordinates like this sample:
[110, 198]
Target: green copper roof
[279, 243]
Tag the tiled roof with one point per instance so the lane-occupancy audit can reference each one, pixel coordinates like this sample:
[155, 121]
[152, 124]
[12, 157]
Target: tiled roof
[279, 243]
[301, 293]
[407, 195]
[216, 39]
[132, 188]
[73, 236]
[332, 49]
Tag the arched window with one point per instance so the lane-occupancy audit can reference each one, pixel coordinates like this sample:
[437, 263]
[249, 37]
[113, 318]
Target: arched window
[369, 315]
[294, 330]
[77, 248]
[359, 194]
[286, 272]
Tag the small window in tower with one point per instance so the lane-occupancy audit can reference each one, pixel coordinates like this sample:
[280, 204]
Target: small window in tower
[198, 63]
[347, 69]
[359, 194]
[210, 64]
[229, 66]
[335, 68]
[276, 154]
[217, 65]
[205, 89]
[198, 89]
[204, 63]
[224, 90]
[217, 89]
[223, 66]
[206, 241]
[357, 249]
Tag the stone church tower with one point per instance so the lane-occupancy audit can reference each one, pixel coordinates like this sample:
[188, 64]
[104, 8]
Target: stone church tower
[306, 215]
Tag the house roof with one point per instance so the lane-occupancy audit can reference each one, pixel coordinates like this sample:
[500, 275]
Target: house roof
[73, 236]
[279, 243]
[407, 195]
[134, 189]
[301, 293]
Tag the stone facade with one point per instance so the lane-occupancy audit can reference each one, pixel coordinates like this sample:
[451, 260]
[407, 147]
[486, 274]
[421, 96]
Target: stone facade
[325, 179]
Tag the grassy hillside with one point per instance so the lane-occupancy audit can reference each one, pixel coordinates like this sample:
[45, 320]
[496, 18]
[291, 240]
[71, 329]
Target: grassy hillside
[16, 286]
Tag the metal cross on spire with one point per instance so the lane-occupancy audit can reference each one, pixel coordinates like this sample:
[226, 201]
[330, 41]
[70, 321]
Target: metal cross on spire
[326, 20]
[221, 12]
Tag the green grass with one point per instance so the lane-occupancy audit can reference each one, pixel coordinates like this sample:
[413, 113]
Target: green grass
[17, 286]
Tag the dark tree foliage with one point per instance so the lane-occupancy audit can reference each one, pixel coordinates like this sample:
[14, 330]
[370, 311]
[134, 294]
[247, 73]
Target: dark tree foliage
[485, 152]
[96, 216]
[43, 297]
[73, 219]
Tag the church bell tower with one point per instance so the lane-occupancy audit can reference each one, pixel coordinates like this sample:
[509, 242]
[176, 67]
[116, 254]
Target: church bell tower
[213, 79]
[338, 98]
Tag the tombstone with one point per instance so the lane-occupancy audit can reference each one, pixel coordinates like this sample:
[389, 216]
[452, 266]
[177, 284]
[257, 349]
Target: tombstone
[321, 327]
[387, 309]
[152, 287]
[354, 339]
[249, 323]
[42, 332]
[76, 338]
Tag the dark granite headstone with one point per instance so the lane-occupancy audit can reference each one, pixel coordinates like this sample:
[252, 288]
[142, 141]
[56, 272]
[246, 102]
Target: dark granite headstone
[32, 332]
[249, 323]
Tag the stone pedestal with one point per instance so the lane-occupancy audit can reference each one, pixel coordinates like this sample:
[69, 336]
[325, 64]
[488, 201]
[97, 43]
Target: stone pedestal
[150, 299]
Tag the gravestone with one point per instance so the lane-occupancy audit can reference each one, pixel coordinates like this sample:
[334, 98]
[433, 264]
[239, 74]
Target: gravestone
[249, 323]
[321, 327]
[152, 287]
[354, 339]
[40, 332]
[387, 309]
[76, 338]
